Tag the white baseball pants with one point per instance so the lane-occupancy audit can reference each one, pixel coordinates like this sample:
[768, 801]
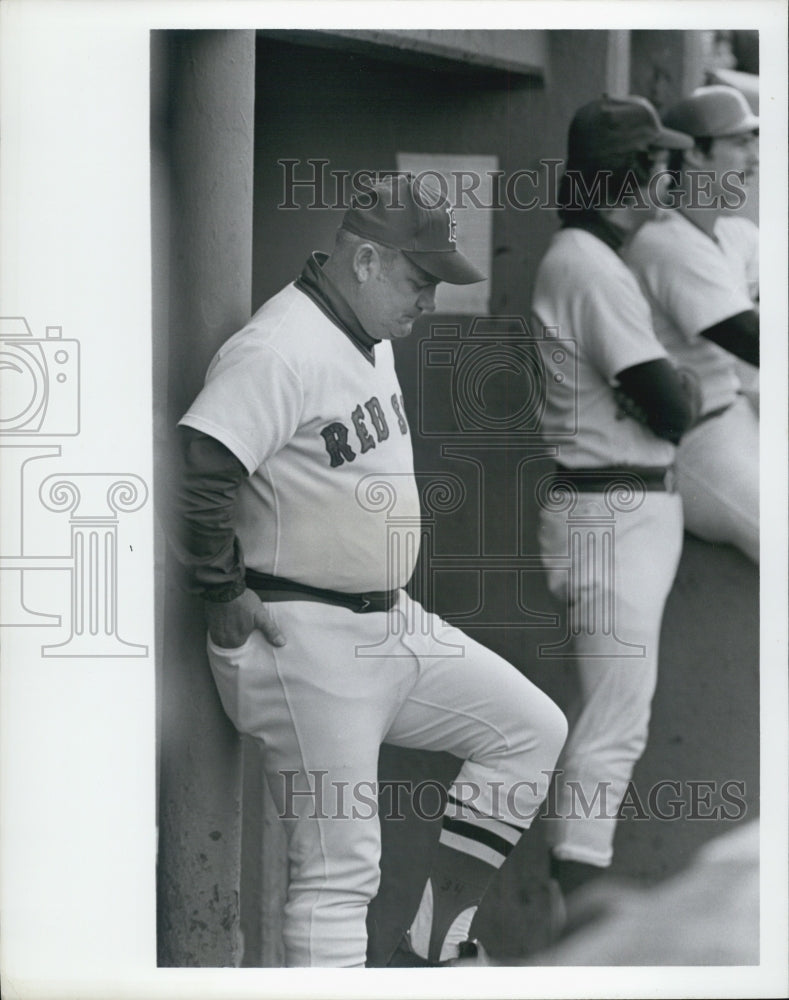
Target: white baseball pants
[718, 476]
[615, 602]
[322, 705]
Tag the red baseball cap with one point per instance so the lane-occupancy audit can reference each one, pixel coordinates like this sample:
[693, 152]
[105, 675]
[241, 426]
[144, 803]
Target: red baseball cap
[409, 214]
[605, 130]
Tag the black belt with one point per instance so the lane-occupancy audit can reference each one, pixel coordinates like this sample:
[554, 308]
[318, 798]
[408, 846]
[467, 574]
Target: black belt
[276, 588]
[598, 480]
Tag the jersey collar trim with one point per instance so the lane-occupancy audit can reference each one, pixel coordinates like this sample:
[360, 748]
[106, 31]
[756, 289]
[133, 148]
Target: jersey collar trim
[594, 223]
[316, 286]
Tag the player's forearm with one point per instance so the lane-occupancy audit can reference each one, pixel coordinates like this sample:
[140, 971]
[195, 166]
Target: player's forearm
[659, 397]
[203, 533]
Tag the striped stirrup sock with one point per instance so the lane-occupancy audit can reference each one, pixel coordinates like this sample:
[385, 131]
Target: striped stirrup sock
[471, 848]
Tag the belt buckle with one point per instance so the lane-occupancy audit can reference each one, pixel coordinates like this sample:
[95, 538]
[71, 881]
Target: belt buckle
[670, 479]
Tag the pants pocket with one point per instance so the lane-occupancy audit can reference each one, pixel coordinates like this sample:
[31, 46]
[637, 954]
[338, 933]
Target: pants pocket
[240, 676]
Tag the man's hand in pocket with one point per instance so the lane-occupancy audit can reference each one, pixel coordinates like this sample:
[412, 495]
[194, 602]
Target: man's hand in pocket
[230, 623]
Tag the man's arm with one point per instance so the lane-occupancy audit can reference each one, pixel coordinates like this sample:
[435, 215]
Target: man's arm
[205, 542]
[739, 335]
[656, 394]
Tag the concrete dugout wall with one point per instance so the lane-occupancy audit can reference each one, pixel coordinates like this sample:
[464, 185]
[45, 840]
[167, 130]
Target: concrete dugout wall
[203, 97]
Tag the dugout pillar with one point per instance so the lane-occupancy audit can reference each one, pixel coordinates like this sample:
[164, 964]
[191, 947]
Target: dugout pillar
[202, 144]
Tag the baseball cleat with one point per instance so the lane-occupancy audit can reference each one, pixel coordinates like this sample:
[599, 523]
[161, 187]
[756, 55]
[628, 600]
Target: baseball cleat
[470, 953]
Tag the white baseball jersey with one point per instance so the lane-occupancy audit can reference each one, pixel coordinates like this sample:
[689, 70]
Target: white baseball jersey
[585, 290]
[312, 418]
[738, 239]
[694, 282]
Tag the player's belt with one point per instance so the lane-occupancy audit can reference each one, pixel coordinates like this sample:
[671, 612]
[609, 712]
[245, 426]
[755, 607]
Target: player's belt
[603, 478]
[277, 588]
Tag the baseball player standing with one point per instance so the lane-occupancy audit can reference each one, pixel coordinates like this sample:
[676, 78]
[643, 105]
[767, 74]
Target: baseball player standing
[317, 650]
[611, 505]
[698, 265]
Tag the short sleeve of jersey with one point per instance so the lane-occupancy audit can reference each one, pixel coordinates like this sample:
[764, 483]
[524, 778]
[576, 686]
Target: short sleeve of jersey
[615, 322]
[251, 401]
[690, 279]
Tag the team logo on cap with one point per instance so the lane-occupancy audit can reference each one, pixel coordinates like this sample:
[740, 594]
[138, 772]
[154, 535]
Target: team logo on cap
[453, 228]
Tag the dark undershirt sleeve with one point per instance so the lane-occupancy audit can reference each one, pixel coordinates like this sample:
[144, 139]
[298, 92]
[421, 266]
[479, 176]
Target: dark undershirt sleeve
[661, 400]
[738, 335]
[203, 533]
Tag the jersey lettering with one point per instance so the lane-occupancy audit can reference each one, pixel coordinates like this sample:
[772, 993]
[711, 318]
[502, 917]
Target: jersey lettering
[377, 417]
[400, 418]
[336, 437]
[365, 438]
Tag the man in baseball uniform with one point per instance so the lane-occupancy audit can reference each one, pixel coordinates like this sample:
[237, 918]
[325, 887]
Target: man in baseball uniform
[298, 471]
[698, 265]
[611, 506]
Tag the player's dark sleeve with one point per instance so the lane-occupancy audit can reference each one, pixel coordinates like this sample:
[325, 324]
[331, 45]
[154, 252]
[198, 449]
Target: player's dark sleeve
[660, 398]
[738, 335]
[202, 530]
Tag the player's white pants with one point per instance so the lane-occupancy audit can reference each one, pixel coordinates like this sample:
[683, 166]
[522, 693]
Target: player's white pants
[609, 728]
[322, 705]
[718, 475]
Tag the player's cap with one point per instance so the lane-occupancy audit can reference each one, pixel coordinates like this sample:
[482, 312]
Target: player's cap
[713, 112]
[413, 215]
[605, 130]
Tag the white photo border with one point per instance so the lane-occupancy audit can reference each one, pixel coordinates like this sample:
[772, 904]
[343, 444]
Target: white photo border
[75, 253]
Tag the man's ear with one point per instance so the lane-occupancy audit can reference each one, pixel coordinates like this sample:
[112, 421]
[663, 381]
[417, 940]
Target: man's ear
[695, 158]
[366, 262]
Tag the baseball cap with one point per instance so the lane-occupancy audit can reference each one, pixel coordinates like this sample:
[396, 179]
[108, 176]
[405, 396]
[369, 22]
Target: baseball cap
[713, 112]
[603, 131]
[409, 214]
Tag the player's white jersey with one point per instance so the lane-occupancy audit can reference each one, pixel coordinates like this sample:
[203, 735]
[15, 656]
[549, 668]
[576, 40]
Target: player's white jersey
[585, 290]
[316, 423]
[694, 282]
[738, 239]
